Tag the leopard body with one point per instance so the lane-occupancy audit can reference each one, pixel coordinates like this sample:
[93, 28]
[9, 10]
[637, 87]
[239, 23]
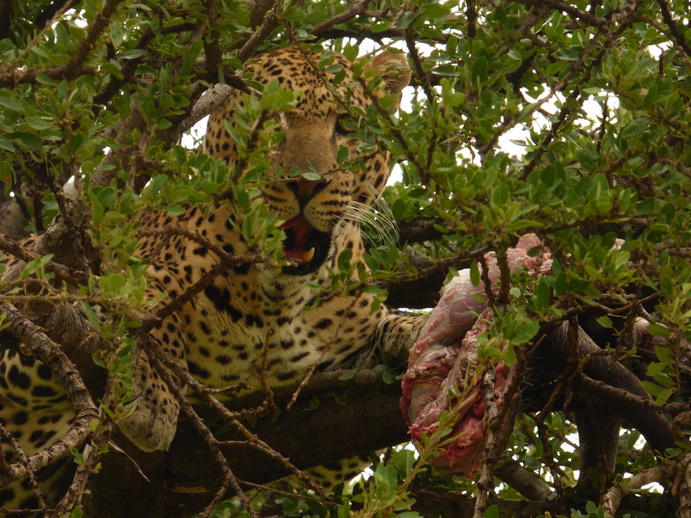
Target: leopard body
[253, 323]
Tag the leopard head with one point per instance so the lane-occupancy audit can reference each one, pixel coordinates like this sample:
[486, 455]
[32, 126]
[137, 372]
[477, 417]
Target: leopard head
[319, 124]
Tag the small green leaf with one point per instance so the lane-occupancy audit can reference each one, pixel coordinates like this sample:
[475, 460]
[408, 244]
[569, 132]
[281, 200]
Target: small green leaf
[664, 395]
[480, 69]
[634, 128]
[605, 321]
[509, 355]
[31, 140]
[542, 294]
[344, 259]
[93, 424]
[131, 54]
[343, 155]
[6, 144]
[234, 134]
[97, 210]
[527, 330]
[314, 177]
[174, 210]
[332, 69]
[78, 456]
[348, 375]
[11, 104]
[98, 361]
[659, 330]
[475, 273]
[37, 123]
[572, 53]
[39, 52]
[313, 403]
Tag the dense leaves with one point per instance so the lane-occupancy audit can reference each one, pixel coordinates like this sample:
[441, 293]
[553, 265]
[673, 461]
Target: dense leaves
[569, 120]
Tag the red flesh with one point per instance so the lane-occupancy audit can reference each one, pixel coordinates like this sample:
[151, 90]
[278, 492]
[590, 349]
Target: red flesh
[444, 374]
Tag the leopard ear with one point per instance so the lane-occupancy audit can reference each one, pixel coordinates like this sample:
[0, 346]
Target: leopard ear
[393, 68]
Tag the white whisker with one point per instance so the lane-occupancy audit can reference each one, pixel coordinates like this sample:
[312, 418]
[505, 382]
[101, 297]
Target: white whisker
[377, 217]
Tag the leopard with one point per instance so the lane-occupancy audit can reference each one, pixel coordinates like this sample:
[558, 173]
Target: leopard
[255, 324]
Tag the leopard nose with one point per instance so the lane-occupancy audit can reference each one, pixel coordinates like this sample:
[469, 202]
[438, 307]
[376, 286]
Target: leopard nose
[305, 190]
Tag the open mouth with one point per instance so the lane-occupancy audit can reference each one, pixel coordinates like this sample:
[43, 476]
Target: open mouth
[305, 246]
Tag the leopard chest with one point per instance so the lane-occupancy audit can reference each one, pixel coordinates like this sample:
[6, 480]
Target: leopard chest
[238, 332]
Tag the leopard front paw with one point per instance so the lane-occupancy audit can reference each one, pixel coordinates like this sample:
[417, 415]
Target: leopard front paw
[150, 423]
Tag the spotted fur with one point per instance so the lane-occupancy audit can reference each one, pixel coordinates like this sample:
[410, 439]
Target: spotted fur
[252, 321]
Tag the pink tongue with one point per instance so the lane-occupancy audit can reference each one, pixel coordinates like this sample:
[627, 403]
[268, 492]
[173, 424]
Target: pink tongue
[301, 229]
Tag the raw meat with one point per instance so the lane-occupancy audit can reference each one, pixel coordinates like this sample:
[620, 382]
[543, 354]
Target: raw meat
[442, 386]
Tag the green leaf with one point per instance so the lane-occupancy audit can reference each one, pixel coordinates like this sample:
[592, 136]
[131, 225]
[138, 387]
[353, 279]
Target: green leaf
[475, 273]
[348, 375]
[174, 210]
[131, 54]
[6, 144]
[313, 403]
[572, 53]
[31, 140]
[343, 155]
[37, 123]
[78, 456]
[93, 424]
[525, 332]
[480, 69]
[39, 52]
[605, 321]
[664, 395]
[398, 209]
[314, 177]
[344, 260]
[97, 210]
[634, 128]
[11, 104]
[542, 293]
[332, 69]
[659, 330]
[98, 361]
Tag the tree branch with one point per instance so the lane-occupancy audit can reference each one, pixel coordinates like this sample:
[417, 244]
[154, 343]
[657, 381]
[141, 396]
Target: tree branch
[362, 418]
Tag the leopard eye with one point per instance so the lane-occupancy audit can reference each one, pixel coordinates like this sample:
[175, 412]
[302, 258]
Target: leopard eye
[345, 125]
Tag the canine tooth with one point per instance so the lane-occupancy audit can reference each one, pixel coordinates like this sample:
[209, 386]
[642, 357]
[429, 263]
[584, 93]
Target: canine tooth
[308, 255]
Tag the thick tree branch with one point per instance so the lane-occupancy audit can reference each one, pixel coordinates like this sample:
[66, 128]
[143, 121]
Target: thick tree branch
[362, 418]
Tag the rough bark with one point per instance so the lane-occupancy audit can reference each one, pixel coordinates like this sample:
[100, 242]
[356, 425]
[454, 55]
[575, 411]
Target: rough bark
[363, 417]
[183, 480]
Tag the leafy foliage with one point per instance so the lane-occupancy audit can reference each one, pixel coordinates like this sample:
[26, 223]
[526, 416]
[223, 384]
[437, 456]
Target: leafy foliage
[569, 120]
